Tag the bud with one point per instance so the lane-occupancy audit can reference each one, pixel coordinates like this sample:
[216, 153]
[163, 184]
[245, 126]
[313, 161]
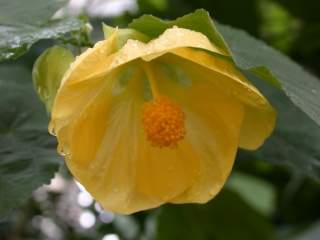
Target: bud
[48, 72]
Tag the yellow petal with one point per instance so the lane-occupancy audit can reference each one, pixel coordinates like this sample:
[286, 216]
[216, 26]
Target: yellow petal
[92, 60]
[165, 173]
[257, 126]
[260, 117]
[96, 63]
[213, 126]
[107, 151]
[71, 100]
[99, 61]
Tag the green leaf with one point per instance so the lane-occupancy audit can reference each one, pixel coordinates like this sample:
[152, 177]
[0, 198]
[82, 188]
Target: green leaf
[28, 157]
[36, 12]
[301, 87]
[21, 25]
[16, 41]
[294, 143]
[227, 217]
[48, 71]
[199, 21]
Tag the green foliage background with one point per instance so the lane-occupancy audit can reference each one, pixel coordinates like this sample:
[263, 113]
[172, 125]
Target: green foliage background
[273, 193]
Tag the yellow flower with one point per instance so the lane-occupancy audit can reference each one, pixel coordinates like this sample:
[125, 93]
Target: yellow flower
[156, 122]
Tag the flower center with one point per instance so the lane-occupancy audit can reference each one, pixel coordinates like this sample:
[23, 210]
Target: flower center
[163, 122]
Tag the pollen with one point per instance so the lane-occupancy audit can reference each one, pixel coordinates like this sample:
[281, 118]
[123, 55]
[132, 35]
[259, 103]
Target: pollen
[163, 122]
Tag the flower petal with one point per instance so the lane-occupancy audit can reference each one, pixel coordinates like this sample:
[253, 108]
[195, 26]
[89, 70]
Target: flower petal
[92, 60]
[99, 61]
[213, 121]
[106, 149]
[260, 117]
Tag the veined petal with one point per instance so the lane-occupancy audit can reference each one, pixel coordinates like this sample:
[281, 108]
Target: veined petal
[71, 100]
[96, 63]
[213, 121]
[170, 39]
[231, 79]
[257, 126]
[106, 148]
[259, 118]
[92, 60]
[101, 62]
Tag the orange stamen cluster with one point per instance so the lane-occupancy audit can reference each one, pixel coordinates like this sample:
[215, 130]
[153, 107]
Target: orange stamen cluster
[163, 122]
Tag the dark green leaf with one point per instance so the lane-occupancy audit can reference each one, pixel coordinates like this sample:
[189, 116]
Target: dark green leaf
[33, 12]
[295, 141]
[21, 25]
[227, 217]
[199, 21]
[28, 157]
[16, 41]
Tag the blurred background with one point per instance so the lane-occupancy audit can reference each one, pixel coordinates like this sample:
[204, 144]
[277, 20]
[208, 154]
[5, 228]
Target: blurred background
[260, 201]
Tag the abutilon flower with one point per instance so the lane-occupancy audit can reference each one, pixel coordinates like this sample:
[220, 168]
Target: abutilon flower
[142, 124]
